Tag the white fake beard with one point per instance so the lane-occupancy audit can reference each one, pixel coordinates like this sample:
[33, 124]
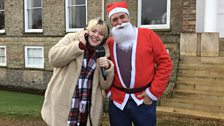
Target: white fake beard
[124, 37]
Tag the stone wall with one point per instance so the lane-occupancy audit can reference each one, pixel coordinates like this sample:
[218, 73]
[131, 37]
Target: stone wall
[53, 17]
[178, 20]
[14, 17]
[221, 47]
[25, 78]
[199, 44]
[15, 74]
[189, 15]
[53, 24]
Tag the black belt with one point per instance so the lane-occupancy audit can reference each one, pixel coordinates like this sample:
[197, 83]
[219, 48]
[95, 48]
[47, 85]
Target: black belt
[132, 90]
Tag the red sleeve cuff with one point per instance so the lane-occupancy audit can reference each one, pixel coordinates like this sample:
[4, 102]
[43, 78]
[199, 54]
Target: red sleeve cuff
[81, 46]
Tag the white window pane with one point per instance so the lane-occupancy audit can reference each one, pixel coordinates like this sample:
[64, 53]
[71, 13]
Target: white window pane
[29, 52]
[2, 56]
[38, 53]
[1, 4]
[2, 59]
[37, 61]
[154, 12]
[33, 15]
[34, 3]
[2, 52]
[30, 60]
[34, 52]
[35, 19]
[77, 17]
[2, 20]
[2, 15]
[76, 2]
[34, 57]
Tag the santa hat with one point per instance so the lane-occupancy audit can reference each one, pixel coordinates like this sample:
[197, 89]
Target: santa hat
[117, 7]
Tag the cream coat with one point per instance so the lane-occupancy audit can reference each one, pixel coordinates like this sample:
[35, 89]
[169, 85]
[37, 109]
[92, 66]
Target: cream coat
[66, 58]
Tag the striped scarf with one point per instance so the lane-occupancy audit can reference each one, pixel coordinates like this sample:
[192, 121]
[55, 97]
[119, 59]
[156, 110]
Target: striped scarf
[81, 100]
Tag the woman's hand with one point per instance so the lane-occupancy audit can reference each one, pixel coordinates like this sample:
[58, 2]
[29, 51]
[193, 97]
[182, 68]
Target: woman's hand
[103, 62]
[82, 36]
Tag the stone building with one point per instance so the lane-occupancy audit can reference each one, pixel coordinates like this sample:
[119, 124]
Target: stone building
[192, 31]
[29, 28]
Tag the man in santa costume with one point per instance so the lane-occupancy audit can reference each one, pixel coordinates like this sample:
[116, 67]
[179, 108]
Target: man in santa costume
[142, 70]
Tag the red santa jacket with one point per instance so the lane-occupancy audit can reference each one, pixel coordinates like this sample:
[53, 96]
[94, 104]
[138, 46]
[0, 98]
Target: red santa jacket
[150, 63]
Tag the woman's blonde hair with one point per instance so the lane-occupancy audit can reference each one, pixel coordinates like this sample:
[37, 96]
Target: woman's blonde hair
[103, 26]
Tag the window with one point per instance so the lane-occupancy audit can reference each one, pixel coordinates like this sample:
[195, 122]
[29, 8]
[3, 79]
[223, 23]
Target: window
[76, 14]
[33, 15]
[154, 14]
[34, 57]
[2, 17]
[2, 56]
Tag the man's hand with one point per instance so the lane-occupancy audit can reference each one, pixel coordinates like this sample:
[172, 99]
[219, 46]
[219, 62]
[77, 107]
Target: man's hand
[147, 99]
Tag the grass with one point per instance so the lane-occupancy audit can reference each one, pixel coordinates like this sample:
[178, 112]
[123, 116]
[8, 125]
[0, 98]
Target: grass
[24, 110]
[20, 104]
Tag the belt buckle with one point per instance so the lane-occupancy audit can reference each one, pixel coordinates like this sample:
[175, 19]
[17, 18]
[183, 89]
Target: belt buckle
[127, 90]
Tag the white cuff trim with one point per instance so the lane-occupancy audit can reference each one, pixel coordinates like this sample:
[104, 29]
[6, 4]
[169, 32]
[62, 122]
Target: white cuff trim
[109, 94]
[150, 94]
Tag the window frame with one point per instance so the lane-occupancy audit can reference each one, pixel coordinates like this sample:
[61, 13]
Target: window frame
[67, 17]
[27, 58]
[26, 16]
[157, 26]
[4, 64]
[3, 30]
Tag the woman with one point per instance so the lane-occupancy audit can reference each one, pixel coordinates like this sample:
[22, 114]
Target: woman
[74, 93]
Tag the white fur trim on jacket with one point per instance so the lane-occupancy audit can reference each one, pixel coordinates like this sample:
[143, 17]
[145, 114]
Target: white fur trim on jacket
[118, 9]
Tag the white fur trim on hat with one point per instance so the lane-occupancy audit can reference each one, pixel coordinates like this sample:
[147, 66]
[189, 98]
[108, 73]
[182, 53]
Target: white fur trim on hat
[118, 9]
